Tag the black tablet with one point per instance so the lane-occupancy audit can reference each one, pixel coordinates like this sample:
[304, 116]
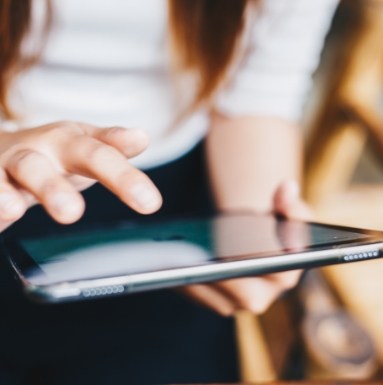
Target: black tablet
[83, 263]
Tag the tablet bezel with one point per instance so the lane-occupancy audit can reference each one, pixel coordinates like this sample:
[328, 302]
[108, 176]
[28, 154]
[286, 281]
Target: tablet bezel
[244, 265]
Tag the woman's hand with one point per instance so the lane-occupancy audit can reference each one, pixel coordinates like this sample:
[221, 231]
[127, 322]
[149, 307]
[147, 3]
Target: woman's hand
[258, 293]
[50, 164]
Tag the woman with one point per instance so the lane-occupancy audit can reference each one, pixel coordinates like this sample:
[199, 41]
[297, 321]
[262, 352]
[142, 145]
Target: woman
[234, 72]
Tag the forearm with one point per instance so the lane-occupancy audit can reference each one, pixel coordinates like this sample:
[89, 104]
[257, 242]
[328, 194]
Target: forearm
[249, 157]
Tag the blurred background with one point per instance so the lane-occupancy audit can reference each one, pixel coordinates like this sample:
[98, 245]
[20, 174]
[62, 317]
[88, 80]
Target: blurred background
[331, 325]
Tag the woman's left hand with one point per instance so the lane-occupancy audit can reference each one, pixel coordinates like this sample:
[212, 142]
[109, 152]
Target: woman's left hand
[255, 293]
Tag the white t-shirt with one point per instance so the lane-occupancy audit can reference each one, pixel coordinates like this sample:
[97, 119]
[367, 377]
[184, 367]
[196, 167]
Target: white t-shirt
[107, 63]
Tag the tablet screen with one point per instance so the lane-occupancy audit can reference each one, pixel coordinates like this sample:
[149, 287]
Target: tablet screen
[124, 250]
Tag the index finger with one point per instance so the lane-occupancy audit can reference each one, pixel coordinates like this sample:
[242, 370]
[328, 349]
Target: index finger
[92, 158]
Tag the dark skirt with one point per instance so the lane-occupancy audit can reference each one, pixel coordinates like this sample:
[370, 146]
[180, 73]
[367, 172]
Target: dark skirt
[159, 337]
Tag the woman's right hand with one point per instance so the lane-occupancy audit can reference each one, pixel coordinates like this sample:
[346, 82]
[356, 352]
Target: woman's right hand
[50, 164]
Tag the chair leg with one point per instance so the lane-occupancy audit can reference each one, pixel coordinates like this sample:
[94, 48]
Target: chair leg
[254, 356]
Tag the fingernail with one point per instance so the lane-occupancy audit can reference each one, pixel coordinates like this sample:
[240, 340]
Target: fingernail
[64, 204]
[145, 196]
[140, 138]
[139, 132]
[10, 206]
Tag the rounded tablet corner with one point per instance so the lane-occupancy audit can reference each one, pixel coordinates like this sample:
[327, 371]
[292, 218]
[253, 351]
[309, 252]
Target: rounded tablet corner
[49, 295]
[38, 296]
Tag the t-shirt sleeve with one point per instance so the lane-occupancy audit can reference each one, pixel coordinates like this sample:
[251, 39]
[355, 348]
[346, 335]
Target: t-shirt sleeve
[282, 45]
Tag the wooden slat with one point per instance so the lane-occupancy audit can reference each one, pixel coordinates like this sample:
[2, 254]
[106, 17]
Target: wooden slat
[359, 285]
[336, 143]
[255, 360]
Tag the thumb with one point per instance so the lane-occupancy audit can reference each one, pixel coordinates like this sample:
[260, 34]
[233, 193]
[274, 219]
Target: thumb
[288, 202]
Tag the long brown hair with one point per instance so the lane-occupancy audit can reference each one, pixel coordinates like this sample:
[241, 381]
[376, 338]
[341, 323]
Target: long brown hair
[204, 35]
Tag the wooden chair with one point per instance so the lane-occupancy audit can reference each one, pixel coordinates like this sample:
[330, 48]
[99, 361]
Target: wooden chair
[348, 119]
[265, 342]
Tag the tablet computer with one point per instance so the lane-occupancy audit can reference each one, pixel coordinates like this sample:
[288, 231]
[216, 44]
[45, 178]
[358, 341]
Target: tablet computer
[83, 263]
